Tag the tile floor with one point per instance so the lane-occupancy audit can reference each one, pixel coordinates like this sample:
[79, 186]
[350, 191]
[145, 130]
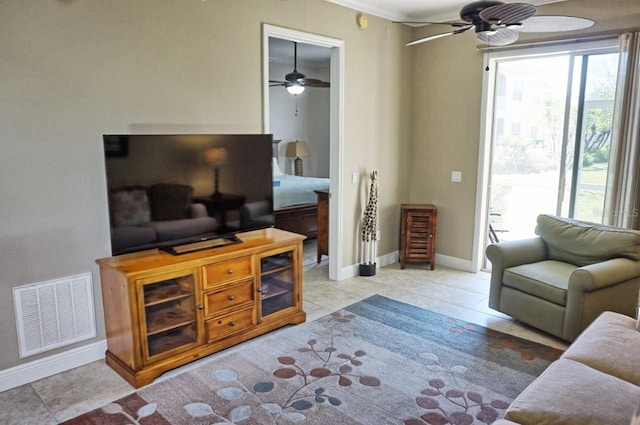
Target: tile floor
[458, 294]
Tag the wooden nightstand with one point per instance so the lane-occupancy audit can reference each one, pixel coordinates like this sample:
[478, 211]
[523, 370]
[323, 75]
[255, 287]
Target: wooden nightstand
[323, 223]
[418, 234]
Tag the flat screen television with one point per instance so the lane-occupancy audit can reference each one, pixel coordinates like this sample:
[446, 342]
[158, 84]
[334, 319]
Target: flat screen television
[184, 192]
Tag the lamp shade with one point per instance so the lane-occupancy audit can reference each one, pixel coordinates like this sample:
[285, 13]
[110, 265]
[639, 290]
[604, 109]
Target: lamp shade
[215, 156]
[297, 149]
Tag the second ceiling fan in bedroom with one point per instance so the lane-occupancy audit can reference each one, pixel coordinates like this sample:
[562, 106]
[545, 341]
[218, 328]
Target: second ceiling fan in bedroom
[498, 24]
[295, 82]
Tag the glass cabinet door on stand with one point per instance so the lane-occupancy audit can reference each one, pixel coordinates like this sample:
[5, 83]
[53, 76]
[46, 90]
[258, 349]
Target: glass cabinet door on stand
[169, 321]
[277, 280]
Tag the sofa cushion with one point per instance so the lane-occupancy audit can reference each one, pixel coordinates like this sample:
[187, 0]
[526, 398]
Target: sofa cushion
[611, 345]
[548, 279]
[170, 201]
[571, 393]
[582, 243]
[129, 207]
[179, 229]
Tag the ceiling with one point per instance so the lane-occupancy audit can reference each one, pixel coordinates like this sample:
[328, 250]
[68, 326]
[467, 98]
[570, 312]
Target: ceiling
[281, 51]
[418, 10]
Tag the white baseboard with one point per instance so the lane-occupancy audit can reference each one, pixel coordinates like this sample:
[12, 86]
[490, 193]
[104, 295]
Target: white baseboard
[454, 263]
[48, 366]
[354, 269]
[394, 257]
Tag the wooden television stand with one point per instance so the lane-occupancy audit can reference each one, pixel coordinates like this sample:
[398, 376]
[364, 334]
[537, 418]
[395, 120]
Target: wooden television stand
[163, 311]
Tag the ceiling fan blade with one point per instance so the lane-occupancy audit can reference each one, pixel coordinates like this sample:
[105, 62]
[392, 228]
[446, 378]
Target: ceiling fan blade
[555, 23]
[500, 37]
[435, 36]
[508, 14]
[313, 82]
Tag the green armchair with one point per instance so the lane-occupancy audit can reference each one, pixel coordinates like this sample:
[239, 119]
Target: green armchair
[560, 281]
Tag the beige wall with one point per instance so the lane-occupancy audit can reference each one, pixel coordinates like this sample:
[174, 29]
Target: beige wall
[446, 109]
[74, 70]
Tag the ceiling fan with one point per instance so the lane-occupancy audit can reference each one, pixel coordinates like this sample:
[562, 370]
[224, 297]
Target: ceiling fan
[497, 23]
[295, 82]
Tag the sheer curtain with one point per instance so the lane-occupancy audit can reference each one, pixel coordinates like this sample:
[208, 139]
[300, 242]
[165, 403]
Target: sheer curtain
[622, 199]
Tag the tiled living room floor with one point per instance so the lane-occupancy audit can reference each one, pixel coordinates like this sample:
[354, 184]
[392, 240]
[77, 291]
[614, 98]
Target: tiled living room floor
[458, 294]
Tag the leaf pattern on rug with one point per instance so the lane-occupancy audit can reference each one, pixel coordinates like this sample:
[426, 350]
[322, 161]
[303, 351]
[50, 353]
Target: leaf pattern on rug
[330, 364]
[143, 412]
[452, 403]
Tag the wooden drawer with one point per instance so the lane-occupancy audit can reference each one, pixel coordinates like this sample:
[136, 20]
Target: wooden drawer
[229, 324]
[220, 301]
[227, 271]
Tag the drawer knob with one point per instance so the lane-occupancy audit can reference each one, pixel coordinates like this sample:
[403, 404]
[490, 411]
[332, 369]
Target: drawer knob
[230, 271]
[200, 307]
[232, 324]
[231, 297]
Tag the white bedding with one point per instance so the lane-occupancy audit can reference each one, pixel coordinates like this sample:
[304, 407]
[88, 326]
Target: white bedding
[296, 190]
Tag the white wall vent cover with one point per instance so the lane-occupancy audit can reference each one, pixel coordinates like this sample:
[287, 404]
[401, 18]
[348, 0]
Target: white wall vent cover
[54, 314]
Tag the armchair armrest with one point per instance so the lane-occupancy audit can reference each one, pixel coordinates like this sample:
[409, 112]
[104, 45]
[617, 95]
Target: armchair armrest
[607, 273]
[610, 285]
[514, 253]
[509, 254]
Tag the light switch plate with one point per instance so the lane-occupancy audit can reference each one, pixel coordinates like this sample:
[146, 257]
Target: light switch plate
[456, 176]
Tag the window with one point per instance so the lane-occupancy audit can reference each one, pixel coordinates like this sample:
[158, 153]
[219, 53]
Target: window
[554, 155]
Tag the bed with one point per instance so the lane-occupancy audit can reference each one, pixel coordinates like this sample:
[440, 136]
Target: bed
[295, 202]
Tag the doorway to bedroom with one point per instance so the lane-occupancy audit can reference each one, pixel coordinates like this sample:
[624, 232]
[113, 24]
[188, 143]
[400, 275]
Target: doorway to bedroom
[306, 125]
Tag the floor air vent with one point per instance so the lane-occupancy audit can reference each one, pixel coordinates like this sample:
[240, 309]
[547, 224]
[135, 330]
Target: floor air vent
[54, 314]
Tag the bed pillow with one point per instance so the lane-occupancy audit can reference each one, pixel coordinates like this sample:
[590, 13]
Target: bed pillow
[276, 168]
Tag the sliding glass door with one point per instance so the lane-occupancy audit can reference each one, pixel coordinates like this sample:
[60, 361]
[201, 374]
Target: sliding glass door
[551, 124]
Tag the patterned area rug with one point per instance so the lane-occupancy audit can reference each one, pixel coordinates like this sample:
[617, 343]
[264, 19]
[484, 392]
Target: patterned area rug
[378, 361]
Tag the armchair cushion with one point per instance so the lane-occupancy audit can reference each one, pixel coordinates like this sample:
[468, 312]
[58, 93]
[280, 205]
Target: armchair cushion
[548, 280]
[582, 243]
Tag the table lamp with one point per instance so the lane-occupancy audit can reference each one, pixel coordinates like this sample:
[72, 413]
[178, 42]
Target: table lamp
[296, 150]
[216, 157]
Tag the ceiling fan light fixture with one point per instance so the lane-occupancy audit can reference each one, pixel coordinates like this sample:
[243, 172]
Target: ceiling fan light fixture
[489, 33]
[499, 38]
[295, 89]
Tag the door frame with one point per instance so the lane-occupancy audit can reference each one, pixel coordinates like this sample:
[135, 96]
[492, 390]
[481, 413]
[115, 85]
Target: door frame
[336, 130]
[491, 58]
